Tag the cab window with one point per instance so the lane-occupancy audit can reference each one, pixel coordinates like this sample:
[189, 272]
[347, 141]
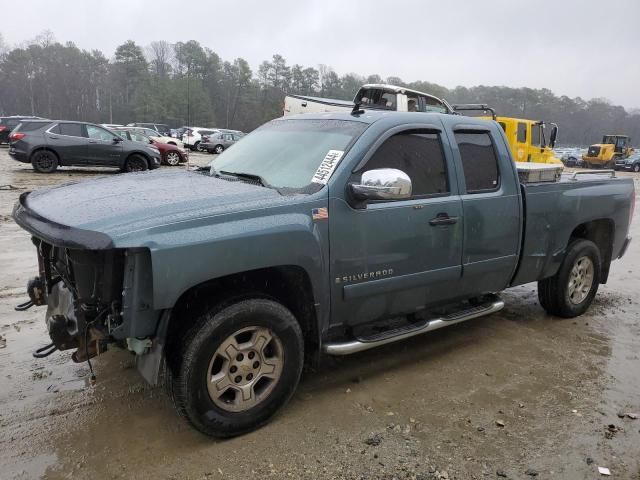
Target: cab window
[479, 161]
[522, 132]
[419, 154]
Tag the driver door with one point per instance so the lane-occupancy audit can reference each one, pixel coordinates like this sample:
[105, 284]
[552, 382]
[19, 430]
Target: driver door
[104, 148]
[395, 257]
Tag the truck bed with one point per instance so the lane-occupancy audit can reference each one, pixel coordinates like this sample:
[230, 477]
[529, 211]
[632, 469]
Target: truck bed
[551, 210]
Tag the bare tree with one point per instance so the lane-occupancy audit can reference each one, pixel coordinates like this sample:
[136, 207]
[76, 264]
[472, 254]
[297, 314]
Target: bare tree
[160, 55]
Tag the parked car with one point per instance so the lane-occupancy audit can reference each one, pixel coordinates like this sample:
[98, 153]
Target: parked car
[161, 128]
[572, 157]
[218, 142]
[193, 136]
[149, 132]
[7, 124]
[170, 154]
[317, 234]
[631, 163]
[48, 144]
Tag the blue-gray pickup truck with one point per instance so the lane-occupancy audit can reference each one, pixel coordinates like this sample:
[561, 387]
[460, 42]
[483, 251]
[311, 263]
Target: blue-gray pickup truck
[317, 234]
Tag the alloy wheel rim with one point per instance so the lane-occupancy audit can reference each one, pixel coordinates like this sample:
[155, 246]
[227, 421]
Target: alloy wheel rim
[172, 158]
[218, 149]
[245, 368]
[580, 280]
[136, 166]
[44, 161]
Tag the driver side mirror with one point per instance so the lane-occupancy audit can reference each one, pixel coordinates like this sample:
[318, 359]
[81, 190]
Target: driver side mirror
[382, 184]
[117, 139]
[553, 135]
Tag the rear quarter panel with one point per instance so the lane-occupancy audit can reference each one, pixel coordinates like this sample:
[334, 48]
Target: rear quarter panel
[554, 210]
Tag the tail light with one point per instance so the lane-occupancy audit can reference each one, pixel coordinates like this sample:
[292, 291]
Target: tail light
[3, 128]
[14, 137]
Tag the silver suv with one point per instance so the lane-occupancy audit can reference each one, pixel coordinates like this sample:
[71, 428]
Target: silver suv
[219, 142]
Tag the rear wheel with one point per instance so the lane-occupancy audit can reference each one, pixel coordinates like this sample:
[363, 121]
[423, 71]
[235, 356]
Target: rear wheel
[44, 161]
[237, 367]
[571, 290]
[136, 163]
[173, 158]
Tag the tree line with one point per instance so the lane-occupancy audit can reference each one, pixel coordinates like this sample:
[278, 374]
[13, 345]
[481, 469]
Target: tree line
[188, 82]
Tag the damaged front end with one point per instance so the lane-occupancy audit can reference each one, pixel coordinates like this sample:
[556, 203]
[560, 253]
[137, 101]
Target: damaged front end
[96, 295]
[83, 293]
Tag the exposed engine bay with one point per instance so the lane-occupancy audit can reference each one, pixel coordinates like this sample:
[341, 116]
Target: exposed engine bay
[83, 290]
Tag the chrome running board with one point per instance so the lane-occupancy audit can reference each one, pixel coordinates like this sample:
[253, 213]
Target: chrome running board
[360, 344]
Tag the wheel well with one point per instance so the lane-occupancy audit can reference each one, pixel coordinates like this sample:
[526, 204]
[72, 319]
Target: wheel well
[599, 232]
[40, 149]
[289, 285]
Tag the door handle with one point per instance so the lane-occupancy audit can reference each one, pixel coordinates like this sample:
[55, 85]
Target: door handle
[442, 219]
[93, 141]
[51, 137]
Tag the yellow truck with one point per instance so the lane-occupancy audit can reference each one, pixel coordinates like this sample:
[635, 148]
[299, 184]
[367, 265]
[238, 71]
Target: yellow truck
[605, 154]
[527, 138]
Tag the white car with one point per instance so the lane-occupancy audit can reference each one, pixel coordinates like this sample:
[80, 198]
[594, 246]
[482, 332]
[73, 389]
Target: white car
[193, 136]
[150, 132]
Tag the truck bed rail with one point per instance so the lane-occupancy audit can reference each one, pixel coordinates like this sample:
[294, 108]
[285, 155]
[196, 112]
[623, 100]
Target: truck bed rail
[609, 172]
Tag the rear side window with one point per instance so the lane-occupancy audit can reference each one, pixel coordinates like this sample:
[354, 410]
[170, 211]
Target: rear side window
[71, 129]
[30, 126]
[522, 132]
[418, 154]
[479, 161]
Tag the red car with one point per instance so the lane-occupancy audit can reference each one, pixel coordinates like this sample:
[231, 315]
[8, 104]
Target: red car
[169, 154]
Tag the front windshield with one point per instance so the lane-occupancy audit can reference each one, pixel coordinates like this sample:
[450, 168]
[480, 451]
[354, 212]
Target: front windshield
[609, 139]
[286, 154]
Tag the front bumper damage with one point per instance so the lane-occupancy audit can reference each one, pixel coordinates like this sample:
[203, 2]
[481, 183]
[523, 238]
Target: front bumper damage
[97, 296]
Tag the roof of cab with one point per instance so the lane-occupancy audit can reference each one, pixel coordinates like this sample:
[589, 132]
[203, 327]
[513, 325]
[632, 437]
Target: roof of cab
[389, 116]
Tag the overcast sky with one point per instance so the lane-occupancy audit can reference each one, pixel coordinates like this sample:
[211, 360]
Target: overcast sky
[584, 48]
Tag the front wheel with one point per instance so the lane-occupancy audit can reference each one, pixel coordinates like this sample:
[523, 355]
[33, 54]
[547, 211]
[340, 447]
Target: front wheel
[571, 290]
[636, 167]
[218, 149]
[136, 163]
[173, 158]
[237, 367]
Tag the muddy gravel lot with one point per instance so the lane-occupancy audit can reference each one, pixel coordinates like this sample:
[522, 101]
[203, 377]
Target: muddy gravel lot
[515, 395]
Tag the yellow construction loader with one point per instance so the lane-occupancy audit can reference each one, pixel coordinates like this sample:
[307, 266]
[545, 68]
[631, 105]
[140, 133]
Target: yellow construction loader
[606, 153]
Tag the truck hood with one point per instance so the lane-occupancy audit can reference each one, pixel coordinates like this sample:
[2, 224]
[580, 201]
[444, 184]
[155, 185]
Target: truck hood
[120, 204]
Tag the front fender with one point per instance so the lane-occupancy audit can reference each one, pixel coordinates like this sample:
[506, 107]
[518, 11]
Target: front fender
[184, 258]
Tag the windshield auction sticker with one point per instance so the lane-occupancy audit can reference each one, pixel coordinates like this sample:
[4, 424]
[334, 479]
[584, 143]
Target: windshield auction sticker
[326, 168]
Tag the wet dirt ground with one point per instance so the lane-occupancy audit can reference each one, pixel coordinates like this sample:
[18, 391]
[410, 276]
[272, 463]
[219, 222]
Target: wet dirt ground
[511, 395]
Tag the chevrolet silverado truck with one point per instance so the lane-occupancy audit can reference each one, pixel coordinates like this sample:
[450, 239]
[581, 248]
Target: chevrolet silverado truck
[317, 234]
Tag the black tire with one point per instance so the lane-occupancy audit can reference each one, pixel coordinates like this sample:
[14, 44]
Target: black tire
[553, 292]
[636, 167]
[136, 163]
[218, 149]
[190, 374]
[44, 161]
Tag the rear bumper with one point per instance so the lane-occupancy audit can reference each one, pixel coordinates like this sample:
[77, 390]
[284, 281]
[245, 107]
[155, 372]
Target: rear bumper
[18, 155]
